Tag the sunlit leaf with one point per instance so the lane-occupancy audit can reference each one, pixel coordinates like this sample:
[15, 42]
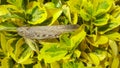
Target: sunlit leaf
[115, 63]
[85, 16]
[7, 63]
[111, 25]
[73, 65]
[103, 6]
[78, 36]
[114, 47]
[55, 16]
[3, 10]
[94, 58]
[57, 3]
[3, 42]
[75, 5]
[36, 13]
[75, 18]
[22, 51]
[103, 20]
[55, 65]
[66, 11]
[51, 52]
[32, 45]
[28, 61]
[18, 3]
[101, 54]
[38, 65]
[10, 47]
[49, 5]
[65, 41]
[114, 36]
[77, 53]
[101, 40]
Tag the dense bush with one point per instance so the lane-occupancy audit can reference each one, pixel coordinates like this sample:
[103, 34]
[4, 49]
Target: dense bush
[95, 44]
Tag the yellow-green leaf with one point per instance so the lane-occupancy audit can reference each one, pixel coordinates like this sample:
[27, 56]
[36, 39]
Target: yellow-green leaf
[32, 44]
[55, 16]
[55, 65]
[22, 51]
[114, 36]
[36, 13]
[28, 61]
[94, 58]
[111, 25]
[7, 63]
[18, 3]
[3, 10]
[85, 16]
[101, 54]
[101, 20]
[9, 45]
[78, 36]
[114, 47]
[51, 52]
[78, 53]
[75, 5]
[66, 11]
[115, 63]
[101, 40]
[38, 65]
[75, 18]
[3, 42]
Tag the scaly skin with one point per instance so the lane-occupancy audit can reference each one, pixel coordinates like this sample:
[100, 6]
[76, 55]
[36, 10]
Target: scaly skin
[45, 32]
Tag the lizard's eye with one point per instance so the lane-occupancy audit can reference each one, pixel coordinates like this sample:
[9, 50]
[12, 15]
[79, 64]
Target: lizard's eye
[20, 31]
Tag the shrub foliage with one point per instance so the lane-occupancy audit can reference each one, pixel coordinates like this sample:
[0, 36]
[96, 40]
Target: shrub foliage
[95, 44]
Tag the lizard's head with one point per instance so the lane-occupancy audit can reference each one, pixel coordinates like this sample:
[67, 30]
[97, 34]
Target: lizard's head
[22, 31]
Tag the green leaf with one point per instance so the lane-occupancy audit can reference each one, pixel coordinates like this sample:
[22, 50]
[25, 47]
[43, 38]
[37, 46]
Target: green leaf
[78, 36]
[97, 40]
[101, 20]
[28, 61]
[73, 65]
[52, 52]
[77, 53]
[36, 13]
[9, 44]
[75, 6]
[32, 44]
[101, 54]
[95, 59]
[66, 11]
[7, 26]
[103, 6]
[55, 65]
[114, 47]
[114, 36]
[75, 18]
[57, 3]
[65, 40]
[3, 10]
[21, 52]
[18, 3]
[7, 62]
[57, 13]
[101, 40]
[88, 7]
[115, 63]
[38, 65]
[111, 25]
[3, 42]
[85, 16]
[49, 5]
